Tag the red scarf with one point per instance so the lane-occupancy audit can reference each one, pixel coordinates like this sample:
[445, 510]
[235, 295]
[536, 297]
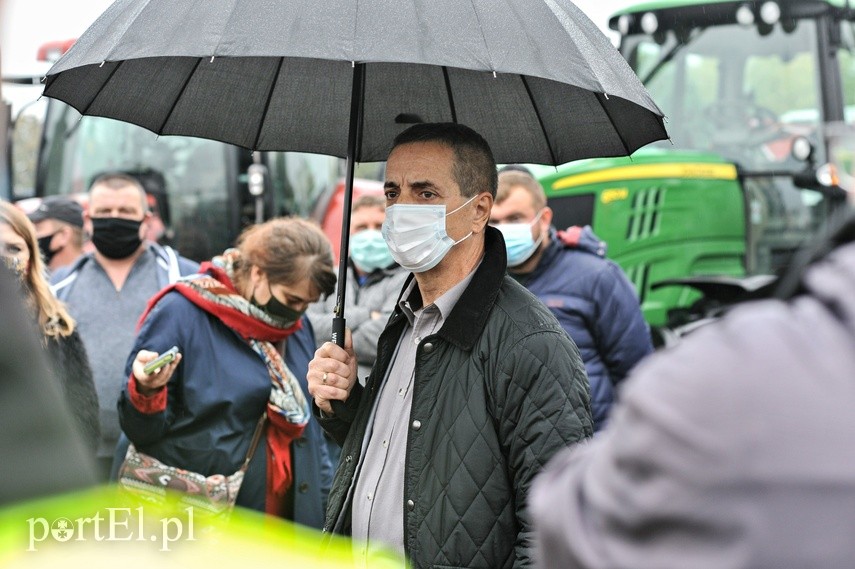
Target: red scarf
[219, 286]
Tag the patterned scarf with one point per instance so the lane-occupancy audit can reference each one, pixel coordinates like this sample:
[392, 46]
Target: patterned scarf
[287, 408]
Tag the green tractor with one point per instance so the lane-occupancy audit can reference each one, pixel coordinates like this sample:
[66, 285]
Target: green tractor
[750, 90]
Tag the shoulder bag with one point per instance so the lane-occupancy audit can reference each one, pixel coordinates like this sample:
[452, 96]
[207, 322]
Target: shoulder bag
[151, 480]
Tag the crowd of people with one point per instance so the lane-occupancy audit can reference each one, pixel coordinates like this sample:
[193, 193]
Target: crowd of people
[485, 348]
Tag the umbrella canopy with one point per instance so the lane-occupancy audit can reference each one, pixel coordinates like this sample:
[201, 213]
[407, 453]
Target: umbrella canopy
[536, 78]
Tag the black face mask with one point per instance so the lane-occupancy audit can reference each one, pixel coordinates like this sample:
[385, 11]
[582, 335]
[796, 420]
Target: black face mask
[277, 310]
[44, 247]
[116, 238]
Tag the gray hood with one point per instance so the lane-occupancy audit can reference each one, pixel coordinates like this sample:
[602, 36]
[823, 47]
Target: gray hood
[732, 450]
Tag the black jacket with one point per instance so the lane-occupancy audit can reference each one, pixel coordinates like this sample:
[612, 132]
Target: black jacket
[70, 364]
[498, 390]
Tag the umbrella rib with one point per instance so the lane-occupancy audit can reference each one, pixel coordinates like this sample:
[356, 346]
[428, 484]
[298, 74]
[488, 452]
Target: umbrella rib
[267, 103]
[611, 120]
[539, 118]
[450, 95]
[113, 72]
[178, 98]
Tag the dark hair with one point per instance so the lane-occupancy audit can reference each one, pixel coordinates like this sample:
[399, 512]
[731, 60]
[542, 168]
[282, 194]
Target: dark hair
[515, 168]
[287, 250]
[474, 168]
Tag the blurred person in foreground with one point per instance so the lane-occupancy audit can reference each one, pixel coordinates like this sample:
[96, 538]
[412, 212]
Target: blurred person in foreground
[475, 386]
[732, 450]
[107, 290]
[245, 347]
[43, 452]
[590, 295]
[59, 229]
[67, 357]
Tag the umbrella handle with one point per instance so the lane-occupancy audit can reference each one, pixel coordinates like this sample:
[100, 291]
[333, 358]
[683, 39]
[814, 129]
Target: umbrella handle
[341, 410]
[338, 324]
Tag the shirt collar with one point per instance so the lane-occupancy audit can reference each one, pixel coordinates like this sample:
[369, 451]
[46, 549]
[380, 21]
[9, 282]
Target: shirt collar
[445, 303]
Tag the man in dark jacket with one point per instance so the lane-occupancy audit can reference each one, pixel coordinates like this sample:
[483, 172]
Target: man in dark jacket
[475, 386]
[590, 295]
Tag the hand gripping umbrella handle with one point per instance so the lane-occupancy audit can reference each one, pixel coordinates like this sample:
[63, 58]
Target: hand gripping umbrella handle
[341, 410]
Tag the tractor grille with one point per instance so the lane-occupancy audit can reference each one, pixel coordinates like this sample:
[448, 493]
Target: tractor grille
[645, 215]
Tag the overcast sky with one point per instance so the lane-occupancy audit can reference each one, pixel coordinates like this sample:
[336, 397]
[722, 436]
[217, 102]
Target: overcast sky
[27, 24]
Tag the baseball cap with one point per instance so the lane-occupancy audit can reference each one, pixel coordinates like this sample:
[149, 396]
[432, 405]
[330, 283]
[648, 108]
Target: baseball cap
[59, 208]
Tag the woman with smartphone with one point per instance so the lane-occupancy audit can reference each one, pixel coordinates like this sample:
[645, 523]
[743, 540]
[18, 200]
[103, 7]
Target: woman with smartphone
[243, 348]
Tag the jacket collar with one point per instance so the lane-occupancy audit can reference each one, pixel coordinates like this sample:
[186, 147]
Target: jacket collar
[469, 316]
[553, 249]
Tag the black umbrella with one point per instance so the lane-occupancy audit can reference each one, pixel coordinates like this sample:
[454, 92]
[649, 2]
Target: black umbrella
[536, 78]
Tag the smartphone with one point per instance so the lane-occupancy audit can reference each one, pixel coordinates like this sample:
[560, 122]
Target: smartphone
[161, 360]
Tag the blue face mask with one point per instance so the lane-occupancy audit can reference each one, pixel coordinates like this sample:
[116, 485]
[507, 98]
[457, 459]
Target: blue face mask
[369, 252]
[519, 243]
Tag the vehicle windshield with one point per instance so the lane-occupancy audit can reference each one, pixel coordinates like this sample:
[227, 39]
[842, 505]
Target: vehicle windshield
[738, 91]
[197, 187]
[842, 136]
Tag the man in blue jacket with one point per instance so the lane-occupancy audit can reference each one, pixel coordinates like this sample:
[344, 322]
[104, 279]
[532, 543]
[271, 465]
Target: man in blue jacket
[106, 291]
[590, 295]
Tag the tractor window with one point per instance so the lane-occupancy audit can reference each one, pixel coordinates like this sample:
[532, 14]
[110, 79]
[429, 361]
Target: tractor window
[841, 138]
[733, 90]
[846, 60]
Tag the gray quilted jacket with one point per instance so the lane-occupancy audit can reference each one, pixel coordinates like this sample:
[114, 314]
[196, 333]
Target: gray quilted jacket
[498, 390]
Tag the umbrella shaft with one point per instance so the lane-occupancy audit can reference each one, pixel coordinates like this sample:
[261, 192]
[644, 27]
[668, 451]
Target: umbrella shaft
[354, 135]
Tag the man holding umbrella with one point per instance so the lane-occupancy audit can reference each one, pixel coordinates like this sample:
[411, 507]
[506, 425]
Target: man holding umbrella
[475, 387]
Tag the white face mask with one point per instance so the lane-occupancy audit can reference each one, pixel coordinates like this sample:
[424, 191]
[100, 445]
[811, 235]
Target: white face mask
[416, 235]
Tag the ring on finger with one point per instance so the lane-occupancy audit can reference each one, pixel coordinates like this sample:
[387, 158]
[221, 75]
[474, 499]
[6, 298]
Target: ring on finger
[324, 378]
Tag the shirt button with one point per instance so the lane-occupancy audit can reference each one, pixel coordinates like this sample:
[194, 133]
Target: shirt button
[369, 496]
[411, 505]
[417, 425]
[348, 458]
[428, 347]
[301, 442]
[385, 444]
[304, 487]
